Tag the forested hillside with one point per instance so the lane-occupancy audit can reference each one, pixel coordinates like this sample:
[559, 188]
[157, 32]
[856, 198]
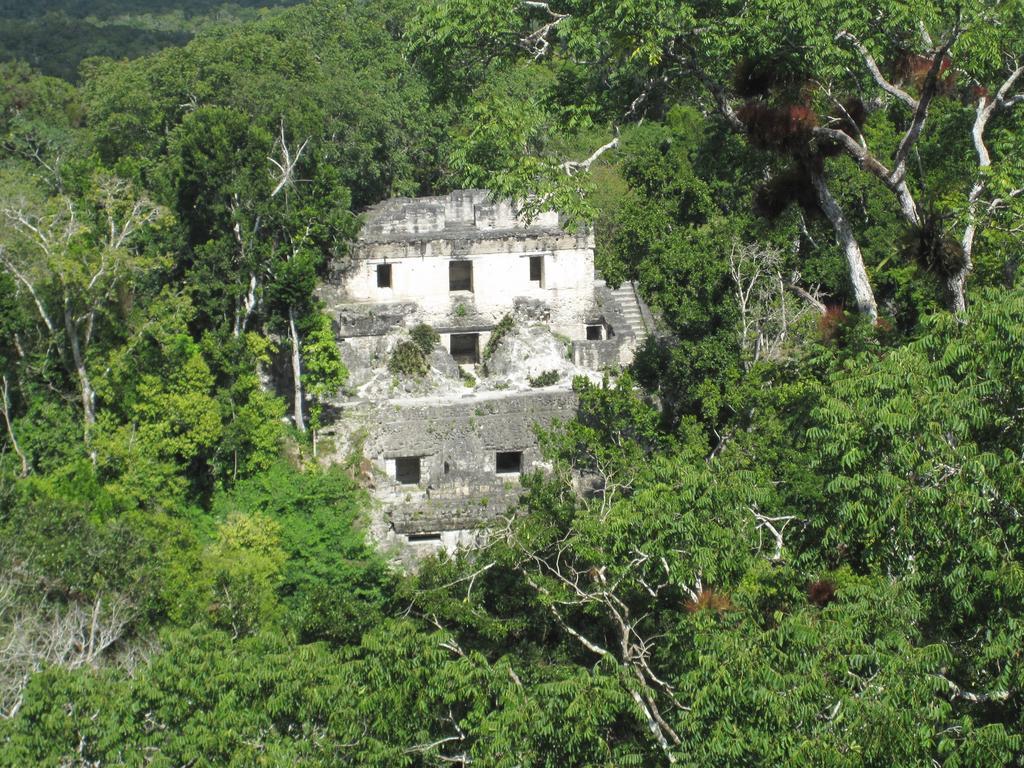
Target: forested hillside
[803, 542]
[55, 36]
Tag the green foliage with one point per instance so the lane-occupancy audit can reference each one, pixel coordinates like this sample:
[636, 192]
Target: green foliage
[425, 337]
[407, 359]
[545, 379]
[501, 330]
[334, 585]
[243, 567]
[729, 558]
[324, 374]
[55, 37]
[147, 558]
[459, 41]
[923, 486]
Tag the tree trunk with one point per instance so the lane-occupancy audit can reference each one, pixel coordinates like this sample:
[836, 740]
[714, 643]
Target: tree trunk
[244, 308]
[10, 429]
[88, 395]
[955, 282]
[296, 370]
[862, 292]
[908, 207]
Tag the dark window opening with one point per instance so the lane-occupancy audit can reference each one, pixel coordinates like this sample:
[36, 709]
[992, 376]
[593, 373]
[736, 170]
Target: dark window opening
[460, 275]
[508, 462]
[421, 537]
[536, 268]
[407, 470]
[465, 348]
[594, 333]
[447, 468]
[383, 275]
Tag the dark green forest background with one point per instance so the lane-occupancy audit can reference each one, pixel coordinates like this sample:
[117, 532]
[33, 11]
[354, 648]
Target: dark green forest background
[54, 36]
[804, 538]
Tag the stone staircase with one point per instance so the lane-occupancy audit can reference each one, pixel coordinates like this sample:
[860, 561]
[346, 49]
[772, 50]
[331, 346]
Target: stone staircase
[636, 313]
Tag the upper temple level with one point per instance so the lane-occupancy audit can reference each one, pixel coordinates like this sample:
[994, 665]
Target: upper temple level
[461, 257]
[460, 212]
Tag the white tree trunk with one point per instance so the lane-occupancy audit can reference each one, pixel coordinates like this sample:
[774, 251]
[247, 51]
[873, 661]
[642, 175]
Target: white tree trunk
[245, 308]
[862, 292]
[296, 371]
[10, 429]
[88, 395]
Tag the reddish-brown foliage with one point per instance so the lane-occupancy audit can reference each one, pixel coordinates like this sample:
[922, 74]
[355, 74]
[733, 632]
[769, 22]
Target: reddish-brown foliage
[911, 69]
[831, 322]
[821, 592]
[709, 600]
[977, 92]
[785, 128]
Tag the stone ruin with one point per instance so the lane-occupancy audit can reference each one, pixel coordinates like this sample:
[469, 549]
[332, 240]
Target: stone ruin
[518, 312]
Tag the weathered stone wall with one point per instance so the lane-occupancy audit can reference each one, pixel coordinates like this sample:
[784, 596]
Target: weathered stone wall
[499, 277]
[463, 208]
[615, 352]
[418, 238]
[464, 433]
[456, 442]
[618, 344]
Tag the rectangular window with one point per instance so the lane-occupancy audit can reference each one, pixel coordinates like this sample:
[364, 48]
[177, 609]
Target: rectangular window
[465, 348]
[594, 333]
[460, 275]
[383, 275]
[407, 470]
[508, 462]
[421, 538]
[536, 269]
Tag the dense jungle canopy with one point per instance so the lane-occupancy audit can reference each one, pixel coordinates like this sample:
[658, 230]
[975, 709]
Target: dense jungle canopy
[807, 546]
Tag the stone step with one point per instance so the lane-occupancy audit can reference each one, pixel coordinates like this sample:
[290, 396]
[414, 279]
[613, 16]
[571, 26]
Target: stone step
[631, 311]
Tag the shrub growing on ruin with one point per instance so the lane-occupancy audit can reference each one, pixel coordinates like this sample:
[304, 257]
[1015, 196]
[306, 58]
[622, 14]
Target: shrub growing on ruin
[425, 337]
[500, 331]
[407, 359]
[545, 379]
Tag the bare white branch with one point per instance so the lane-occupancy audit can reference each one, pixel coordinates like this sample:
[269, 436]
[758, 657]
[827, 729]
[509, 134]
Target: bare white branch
[573, 167]
[876, 73]
[957, 692]
[72, 636]
[538, 42]
[6, 403]
[285, 176]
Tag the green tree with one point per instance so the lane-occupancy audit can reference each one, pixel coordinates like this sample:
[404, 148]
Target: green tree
[74, 258]
[324, 373]
[243, 565]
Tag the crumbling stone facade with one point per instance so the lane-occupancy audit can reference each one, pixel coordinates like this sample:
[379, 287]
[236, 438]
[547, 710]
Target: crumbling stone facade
[444, 450]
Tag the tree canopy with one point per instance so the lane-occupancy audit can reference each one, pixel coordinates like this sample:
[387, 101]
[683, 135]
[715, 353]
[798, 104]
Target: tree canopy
[789, 534]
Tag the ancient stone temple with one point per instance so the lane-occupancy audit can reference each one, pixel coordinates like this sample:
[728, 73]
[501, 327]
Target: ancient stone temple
[518, 313]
